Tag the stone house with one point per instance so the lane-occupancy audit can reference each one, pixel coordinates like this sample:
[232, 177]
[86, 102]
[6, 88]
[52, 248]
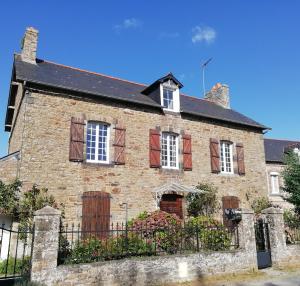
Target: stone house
[275, 150]
[111, 147]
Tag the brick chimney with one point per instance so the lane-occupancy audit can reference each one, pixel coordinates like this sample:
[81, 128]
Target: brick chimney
[29, 45]
[219, 95]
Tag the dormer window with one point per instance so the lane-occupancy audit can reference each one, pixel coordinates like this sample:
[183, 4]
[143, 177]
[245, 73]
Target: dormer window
[168, 99]
[165, 91]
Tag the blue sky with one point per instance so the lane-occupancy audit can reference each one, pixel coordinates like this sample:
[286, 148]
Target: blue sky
[254, 44]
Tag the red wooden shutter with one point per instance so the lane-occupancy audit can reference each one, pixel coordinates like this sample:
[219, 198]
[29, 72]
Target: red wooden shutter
[214, 155]
[229, 202]
[95, 214]
[76, 140]
[119, 145]
[154, 142]
[240, 158]
[187, 152]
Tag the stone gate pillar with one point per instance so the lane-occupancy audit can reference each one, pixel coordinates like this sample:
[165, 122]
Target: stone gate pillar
[247, 236]
[274, 217]
[45, 244]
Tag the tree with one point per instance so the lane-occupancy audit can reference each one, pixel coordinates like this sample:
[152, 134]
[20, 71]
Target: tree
[203, 203]
[291, 176]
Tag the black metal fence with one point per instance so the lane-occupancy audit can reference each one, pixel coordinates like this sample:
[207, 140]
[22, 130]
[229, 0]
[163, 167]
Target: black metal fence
[121, 240]
[15, 252]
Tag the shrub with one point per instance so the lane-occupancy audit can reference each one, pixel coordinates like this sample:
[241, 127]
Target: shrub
[260, 204]
[203, 203]
[291, 219]
[94, 249]
[161, 227]
[18, 266]
[212, 235]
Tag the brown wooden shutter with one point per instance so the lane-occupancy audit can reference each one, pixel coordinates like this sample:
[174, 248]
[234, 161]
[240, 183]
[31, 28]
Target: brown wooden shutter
[95, 214]
[214, 155]
[229, 202]
[240, 158]
[187, 152]
[76, 140]
[119, 145]
[154, 148]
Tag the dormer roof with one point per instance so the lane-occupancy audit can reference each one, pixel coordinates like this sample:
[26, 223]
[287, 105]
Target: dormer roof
[163, 79]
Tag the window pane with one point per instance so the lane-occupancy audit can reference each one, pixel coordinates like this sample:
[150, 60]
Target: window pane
[226, 157]
[97, 142]
[168, 98]
[169, 150]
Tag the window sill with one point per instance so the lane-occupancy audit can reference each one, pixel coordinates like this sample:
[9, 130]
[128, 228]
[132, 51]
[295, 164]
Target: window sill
[171, 112]
[275, 195]
[98, 164]
[170, 171]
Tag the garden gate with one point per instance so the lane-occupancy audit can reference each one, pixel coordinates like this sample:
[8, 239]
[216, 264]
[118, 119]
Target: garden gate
[262, 244]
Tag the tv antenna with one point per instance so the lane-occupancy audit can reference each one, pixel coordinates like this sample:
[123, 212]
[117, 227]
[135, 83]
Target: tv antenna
[204, 65]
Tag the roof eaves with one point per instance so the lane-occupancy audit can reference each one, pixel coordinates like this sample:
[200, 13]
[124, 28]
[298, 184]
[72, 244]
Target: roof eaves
[89, 93]
[261, 127]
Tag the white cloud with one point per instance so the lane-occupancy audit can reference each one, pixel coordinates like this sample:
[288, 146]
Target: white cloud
[131, 23]
[204, 34]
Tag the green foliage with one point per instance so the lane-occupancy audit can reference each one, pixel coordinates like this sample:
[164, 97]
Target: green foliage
[291, 219]
[210, 233]
[204, 203]
[291, 176]
[94, 249]
[162, 227]
[9, 198]
[260, 204]
[19, 266]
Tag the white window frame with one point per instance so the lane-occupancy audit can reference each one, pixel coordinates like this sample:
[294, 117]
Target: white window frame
[272, 183]
[168, 150]
[176, 96]
[223, 159]
[97, 143]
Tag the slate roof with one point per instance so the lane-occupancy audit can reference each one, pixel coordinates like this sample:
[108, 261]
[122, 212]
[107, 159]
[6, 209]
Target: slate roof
[274, 149]
[55, 75]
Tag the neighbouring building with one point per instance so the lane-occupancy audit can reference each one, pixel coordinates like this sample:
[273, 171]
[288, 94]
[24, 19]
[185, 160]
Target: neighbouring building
[103, 145]
[275, 150]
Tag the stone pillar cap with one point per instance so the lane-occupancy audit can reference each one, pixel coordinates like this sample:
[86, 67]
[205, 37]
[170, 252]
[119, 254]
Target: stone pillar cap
[47, 210]
[247, 211]
[272, 210]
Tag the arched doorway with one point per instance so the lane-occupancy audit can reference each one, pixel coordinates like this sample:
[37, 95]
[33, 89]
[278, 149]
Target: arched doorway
[172, 203]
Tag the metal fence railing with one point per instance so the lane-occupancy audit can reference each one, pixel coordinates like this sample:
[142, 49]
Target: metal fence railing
[15, 251]
[121, 240]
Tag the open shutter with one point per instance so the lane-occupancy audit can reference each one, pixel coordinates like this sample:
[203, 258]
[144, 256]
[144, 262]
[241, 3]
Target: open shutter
[119, 145]
[95, 214]
[214, 155]
[76, 140]
[229, 202]
[240, 158]
[187, 152]
[154, 142]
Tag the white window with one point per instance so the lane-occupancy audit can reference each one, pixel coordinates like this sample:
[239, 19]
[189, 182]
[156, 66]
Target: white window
[297, 152]
[169, 150]
[226, 157]
[275, 190]
[168, 99]
[97, 143]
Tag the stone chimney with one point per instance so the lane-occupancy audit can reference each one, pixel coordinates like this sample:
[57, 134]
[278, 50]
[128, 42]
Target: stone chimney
[29, 45]
[219, 95]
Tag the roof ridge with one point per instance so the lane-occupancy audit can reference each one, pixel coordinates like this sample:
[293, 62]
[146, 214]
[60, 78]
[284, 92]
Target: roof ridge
[91, 72]
[276, 139]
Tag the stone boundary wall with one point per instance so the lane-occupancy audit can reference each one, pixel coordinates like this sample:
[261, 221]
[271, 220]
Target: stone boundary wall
[157, 270]
[152, 270]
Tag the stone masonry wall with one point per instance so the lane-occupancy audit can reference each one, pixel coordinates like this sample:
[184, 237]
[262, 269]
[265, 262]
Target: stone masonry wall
[8, 168]
[45, 155]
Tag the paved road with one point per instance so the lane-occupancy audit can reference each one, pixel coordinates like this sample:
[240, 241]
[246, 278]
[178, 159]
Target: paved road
[271, 278]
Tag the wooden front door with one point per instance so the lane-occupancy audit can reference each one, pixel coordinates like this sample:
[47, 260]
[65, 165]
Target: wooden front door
[95, 214]
[172, 203]
[229, 202]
